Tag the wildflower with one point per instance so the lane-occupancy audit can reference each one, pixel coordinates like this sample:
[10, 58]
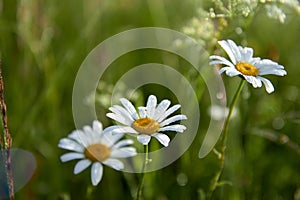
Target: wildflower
[244, 64]
[95, 147]
[148, 122]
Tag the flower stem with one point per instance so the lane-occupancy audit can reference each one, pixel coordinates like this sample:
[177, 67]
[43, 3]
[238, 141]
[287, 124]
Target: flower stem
[215, 180]
[141, 185]
[6, 139]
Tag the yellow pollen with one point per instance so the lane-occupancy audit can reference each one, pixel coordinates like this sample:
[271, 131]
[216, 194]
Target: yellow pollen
[97, 152]
[146, 126]
[247, 69]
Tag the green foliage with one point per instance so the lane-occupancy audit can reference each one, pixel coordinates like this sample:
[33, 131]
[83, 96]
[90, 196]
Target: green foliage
[43, 43]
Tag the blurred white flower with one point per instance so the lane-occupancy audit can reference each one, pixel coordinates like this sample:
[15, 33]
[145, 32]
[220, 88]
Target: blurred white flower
[148, 122]
[244, 64]
[275, 12]
[95, 147]
[218, 112]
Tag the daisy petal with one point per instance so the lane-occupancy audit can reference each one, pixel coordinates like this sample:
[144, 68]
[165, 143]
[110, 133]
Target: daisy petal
[278, 72]
[142, 112]
[173, 119]
[123, 152]
[268, 85]
[114, 163]
[71, 156]
[144, 139]
[129, 107]
[246, 54]
[97, 126]
[220, 60]
[123, 143]
[68, 144]
[90, 135]
[250, 79]
[96, 173]
[168, 112]
[223, 69]
[232, 72]
[81, 165]
[162, 138]
[109, 138]
[236, 51]
[177, 128]
[228, 49]
[151, 105]
[161, 108]
[80, 137]
[122, 112]
[118, 118]
[120, 130]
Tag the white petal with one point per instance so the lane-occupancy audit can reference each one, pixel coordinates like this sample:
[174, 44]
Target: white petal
[257, 82]
[161, 108]
[123, 143]
[90, 135]
[97, 126]
[129, 107]
[144, 139]
[220, 60]
[123, 152]
[178, 128]
[114, 163]
[80, 137]
[119, 118]
[162, 138]
[250, 79]
[223, 69]
[120, 129]
[228, 49]
[268, 85]
[151, 105]
[119, 110]
[266, 66]
[71, 156]
[173, 119]
[81, 165]
[169, 112]
[142, 112]
[246, 54]
[69, 144]
[109, 138]
[254, 60]
[96, 173]
[232, 72]
[235, 50]
[278, 72]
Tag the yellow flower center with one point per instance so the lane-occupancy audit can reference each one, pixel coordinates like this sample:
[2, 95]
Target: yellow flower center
[247, 69]
[97, 152]
[146, 126]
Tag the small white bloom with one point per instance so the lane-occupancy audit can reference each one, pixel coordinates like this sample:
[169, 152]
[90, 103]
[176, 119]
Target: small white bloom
[244, 64]
[95, 147]
[148, 121]
[218, 112]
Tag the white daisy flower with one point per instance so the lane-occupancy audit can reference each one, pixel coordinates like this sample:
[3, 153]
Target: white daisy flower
[148, 121]
[244, 64]
[95, 147]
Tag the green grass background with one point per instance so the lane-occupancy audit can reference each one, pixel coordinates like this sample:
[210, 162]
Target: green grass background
[42, 45]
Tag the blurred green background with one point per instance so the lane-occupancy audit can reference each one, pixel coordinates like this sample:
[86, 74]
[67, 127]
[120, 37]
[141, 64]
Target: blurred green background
[43, 43]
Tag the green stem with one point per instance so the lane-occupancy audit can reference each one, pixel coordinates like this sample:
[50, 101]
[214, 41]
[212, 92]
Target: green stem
[140, 187]
[215, 180]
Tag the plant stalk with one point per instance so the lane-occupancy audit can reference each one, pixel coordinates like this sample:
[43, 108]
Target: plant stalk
[215, 180]
[6, 139]
[141, 185]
